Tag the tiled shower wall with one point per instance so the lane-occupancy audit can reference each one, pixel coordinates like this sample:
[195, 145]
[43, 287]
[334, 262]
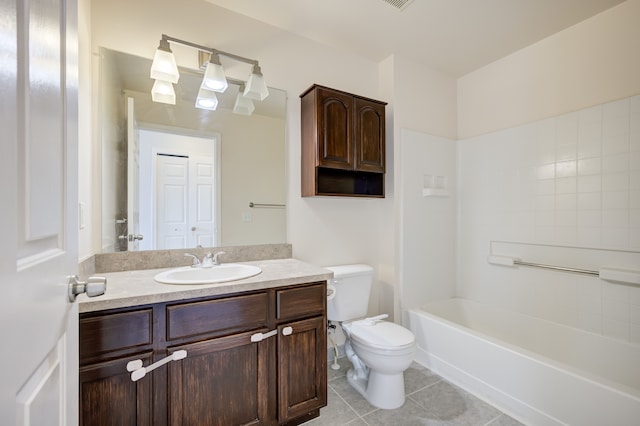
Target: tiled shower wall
[571, 180]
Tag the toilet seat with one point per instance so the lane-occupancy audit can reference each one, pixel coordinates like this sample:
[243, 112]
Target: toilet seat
[381, 335]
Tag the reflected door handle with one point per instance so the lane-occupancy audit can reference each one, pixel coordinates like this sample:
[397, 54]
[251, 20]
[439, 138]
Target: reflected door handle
[94, 286]
[138, 237]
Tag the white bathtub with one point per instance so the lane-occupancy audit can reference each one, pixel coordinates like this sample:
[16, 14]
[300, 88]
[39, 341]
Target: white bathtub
[541, 373]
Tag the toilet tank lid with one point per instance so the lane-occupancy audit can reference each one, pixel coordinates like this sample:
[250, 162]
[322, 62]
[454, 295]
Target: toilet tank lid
[342, 271]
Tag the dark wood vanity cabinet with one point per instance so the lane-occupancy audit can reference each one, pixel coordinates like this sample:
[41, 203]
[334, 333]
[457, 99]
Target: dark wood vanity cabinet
[227, 378]
[343, 144]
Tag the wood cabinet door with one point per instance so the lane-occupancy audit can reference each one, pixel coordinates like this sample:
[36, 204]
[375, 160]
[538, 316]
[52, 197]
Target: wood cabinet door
[108, 397]
[221, 382]
[369, 136]
[335, 129]
[302, 368]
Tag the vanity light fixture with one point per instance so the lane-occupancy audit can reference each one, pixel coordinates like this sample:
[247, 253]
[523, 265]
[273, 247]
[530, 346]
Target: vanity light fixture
[214, 78]
[256, 86]
[164, 65]
[243, 105]
[165, 71]
[163, 92]
[206, 99]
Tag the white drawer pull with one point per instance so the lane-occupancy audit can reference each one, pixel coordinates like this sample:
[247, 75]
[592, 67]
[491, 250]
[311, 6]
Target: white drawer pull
[287, 331]
[259, 337]
[138, 371]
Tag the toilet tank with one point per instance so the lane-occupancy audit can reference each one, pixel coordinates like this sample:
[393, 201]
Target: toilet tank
[352, 287]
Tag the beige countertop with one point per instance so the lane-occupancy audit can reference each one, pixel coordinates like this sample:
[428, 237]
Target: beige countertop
[133, 288]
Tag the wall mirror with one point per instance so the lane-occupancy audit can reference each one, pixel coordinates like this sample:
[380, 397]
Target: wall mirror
[175, 176]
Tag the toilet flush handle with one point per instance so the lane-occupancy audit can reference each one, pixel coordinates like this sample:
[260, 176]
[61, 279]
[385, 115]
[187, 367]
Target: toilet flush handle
[373, 320]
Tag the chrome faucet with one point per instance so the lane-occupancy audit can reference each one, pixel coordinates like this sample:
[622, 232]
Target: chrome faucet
[208, 260]
[196, 262]
[215, 258]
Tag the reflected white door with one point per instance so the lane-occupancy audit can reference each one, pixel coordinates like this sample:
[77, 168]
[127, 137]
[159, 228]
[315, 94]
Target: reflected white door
[184, 201]
[38, 219]
[201, 203]
[133, 178]
[172, 190]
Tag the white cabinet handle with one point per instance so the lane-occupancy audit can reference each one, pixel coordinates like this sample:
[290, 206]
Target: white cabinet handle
[138, 371]
[259, 337]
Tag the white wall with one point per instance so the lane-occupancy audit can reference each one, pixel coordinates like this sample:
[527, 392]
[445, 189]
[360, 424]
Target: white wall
[86, 151]
[550, 156]
[424, 105]
[113, 154]
[324, 230]
[567, 181]
[595, 61]
[428, 238]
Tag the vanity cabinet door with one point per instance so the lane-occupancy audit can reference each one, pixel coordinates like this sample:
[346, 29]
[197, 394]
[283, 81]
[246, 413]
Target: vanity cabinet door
[222, 382]
[369, 136]
[108, 397]
[335, 129]
[302, 367]
[107, 342]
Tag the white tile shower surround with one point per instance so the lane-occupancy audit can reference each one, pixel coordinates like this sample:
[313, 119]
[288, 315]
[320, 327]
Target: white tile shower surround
[430, 401]
[571, 180]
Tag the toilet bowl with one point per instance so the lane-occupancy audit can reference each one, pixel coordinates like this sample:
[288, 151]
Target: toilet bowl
[379, 350]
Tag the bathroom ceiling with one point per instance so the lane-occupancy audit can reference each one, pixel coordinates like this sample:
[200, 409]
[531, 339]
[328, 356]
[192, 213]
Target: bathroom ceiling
[454, 36]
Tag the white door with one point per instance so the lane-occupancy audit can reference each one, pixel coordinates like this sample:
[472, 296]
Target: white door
[201, 202]
[38, 218]
[172, 192]
[184, 201]
[133, 178]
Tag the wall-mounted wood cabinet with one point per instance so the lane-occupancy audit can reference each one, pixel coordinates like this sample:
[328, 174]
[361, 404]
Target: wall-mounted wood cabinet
[228, 376]
[343, 144]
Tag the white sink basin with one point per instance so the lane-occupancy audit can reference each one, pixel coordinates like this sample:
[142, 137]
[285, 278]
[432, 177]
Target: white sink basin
[215, 274]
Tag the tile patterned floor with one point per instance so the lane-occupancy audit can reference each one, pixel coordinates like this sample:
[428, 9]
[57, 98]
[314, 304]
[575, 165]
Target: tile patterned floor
[431, 400]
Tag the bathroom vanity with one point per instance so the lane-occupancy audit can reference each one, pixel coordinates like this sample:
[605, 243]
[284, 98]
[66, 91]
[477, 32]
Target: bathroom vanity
[256, 350]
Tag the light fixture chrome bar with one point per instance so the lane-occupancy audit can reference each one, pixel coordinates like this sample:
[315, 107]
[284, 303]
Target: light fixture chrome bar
[210, 50]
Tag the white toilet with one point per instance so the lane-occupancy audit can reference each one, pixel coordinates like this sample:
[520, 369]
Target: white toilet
[380, 351]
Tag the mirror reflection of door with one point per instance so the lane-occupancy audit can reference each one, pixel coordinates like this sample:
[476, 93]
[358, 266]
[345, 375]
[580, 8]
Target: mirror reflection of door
[132, 226]
[178, 191]
[184, 201]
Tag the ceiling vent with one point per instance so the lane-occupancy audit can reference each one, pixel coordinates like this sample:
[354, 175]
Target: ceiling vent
[399, 4]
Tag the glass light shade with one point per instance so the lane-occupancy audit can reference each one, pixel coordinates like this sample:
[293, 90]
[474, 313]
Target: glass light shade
[206, 99]
[164, 66]
[243, 105]
[163, 92]
[214, 78]
[256, 87]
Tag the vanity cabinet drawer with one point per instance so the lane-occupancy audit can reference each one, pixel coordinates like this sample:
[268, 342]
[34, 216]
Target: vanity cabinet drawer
[301, 301]
[122, 332]
[217, 317]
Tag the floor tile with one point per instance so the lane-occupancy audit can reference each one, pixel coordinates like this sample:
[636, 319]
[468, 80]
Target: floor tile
[505, 420]
[417, 377]
[337, 412]
[344, 366]
[451, 403]
[410, 414]
[431, 401]
[351, 396]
